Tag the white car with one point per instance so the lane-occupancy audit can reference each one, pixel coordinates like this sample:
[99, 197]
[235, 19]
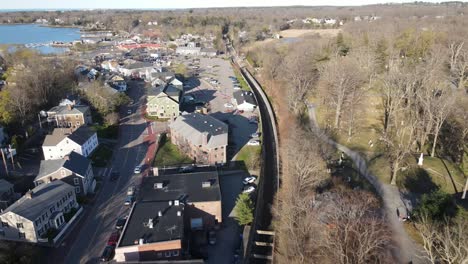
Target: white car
[137, 169]
[255, 135]
[253, 143]
[248, 189]
[228, 105]
[237, 88]
[248, 180]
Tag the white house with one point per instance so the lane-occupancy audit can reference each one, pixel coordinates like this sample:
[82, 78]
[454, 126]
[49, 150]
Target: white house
[39, 210]
[244, 101]
[62, 141]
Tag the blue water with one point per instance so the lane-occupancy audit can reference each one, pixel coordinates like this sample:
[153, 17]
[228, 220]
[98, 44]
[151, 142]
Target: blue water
[30, 33]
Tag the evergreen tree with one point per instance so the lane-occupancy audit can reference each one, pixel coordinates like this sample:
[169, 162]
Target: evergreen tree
[244, 209]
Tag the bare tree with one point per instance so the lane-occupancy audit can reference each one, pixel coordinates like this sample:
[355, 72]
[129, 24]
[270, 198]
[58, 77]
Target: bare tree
[458, 63]
[443, 108]
[341, 80]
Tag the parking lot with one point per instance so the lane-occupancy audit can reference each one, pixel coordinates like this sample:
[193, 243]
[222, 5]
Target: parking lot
[214, 86]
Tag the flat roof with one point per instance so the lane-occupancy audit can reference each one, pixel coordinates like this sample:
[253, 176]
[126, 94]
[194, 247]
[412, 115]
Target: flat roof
[168, 227]
[187, 187]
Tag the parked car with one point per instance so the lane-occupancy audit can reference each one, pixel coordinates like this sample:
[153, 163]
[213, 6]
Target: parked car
[228, 105]
[129, 111]
[131, 190]
[128, 200]
[185, 169]
[107, 253]
[249, 180]
[237, 88]
[113, 239]
[137, 169]
[248, 189]
[114, 176]
[212, 237]
[253, 143]
[255, 135]
[120, 222]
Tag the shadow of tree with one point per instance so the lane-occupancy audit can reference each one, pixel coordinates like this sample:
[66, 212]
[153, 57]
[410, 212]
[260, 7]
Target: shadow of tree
[416, 180]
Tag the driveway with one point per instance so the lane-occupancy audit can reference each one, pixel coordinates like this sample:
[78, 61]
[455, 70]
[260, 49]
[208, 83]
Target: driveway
[86, 242]
[228, 237]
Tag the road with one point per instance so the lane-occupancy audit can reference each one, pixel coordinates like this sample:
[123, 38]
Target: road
[406, 249]
[87, 240]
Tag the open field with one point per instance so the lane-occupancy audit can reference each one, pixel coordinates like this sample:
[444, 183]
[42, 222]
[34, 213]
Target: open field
[297, 33]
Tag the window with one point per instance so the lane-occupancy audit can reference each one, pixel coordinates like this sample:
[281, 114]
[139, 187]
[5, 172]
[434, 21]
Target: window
[5, 224]
[22, 235]
[167, 254]
[77, 123]
[175, 253]
[77, 189]
[2, 232]
[69, 194]
[76, 181]
[52, 209]
[77, 116]
[19, 225]
[159, 254]
[50, 149]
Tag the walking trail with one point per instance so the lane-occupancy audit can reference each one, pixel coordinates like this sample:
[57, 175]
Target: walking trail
[406, 250]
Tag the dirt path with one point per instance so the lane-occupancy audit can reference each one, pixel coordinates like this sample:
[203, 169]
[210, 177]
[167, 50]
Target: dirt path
[406, 249]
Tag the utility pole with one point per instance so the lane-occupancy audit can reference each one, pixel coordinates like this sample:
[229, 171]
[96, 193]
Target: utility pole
[4, 162]
[11, 156]
[40, 123]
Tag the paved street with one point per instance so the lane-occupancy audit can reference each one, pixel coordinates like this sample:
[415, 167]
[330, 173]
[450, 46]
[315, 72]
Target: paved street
[88, 239]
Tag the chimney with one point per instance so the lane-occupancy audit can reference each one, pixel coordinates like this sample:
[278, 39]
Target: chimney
[170, 203]
[206, 184]
[176, 202]
[141, 241]
[205, 136]
[159, 213]
[69, 107]
[179, 213]
[29, 194]
[150, 223]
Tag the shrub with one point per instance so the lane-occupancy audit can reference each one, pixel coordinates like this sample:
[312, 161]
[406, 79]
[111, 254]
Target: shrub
[244, 209]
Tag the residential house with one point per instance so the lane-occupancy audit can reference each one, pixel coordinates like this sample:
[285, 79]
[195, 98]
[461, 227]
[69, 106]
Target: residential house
[154, 231]
[137, 69]
[188, 51]
[71, 99]
[7, 194]
[110, 65]
[72, 116]
[39, 210]
[201, 137]
[117, 82]
[63, 141]
[73, 169]
[163, 101]
[244, 101]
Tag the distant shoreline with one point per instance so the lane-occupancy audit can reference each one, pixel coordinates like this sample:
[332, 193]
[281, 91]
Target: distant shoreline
[41, 25]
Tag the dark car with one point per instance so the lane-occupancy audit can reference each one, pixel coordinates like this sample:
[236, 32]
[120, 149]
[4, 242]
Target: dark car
[120, 222]
[114, 176]
[185, 169]
[107, 253]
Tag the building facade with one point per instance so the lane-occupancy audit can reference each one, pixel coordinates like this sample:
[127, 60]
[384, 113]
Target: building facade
[31, 217]
[201, 137]
[63, 141]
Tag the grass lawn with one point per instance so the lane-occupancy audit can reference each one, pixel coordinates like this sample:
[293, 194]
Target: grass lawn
[155, 118]
[168, 154]
[250, 155]
[106, 131]
[101, 155]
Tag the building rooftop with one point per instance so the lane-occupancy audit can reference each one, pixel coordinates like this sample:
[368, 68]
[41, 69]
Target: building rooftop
[5, 186]
[79, 136]
[67, 110]
[139, 65]
[42, 197]
[186, 187]
[73, 162]
[144, 215]
[195, 126]
[244, 96]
